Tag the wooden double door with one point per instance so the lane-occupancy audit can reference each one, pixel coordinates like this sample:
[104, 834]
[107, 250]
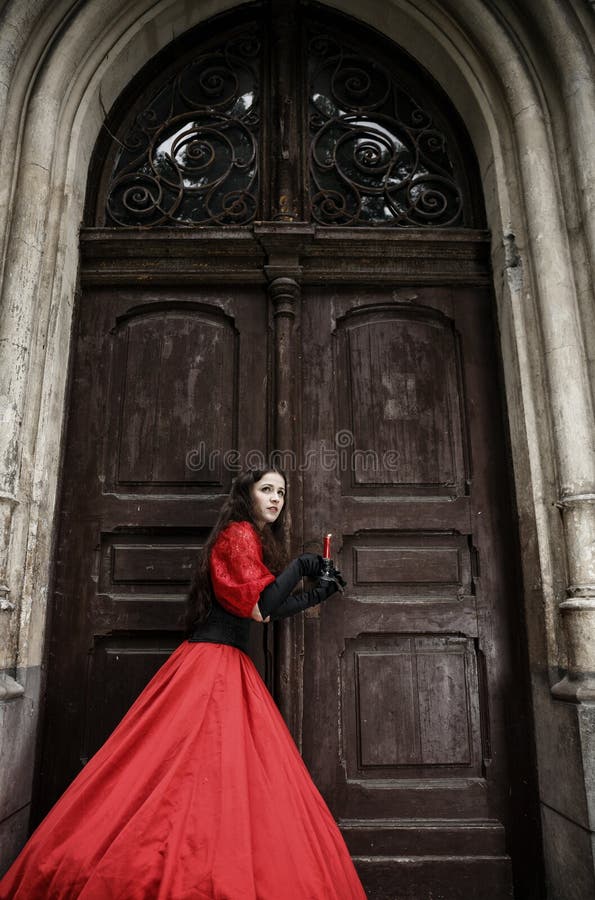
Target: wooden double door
[405, 694]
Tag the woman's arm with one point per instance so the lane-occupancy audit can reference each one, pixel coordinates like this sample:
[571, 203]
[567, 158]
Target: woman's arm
[238, 573]
[276, 593]
[245, 587]
[295, 603]
[276, 600]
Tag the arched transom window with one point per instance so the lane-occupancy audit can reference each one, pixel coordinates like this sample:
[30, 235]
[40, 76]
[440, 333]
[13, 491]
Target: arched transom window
[365, 136]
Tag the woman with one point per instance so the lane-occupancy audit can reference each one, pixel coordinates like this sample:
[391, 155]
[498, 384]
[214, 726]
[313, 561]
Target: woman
[200, 792]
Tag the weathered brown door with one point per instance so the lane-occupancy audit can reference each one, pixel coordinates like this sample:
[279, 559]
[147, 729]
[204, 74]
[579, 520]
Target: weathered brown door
[402, 713]
[287, 146]
[405, 679]
[165, 383]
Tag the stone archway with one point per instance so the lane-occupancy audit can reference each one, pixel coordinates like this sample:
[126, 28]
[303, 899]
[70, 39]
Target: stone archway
[70, 66]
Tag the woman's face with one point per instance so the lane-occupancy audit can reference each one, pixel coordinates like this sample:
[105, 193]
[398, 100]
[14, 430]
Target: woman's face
[268, 497]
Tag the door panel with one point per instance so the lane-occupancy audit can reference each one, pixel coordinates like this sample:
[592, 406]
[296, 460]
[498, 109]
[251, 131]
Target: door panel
[165, 363]
[412, 705]
[164, 384]
[404, 674]
[400, 407]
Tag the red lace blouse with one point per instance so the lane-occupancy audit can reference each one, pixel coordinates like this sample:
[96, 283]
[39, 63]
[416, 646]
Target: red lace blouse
[238, 573]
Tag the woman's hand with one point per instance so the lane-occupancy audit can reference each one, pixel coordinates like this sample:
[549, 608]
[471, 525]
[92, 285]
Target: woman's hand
[310, 564]
[257, 615]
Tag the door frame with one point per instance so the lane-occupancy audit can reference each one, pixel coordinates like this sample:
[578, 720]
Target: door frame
[61, 56]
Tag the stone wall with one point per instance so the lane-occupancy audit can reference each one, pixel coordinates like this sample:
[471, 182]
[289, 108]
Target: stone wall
[522, 77]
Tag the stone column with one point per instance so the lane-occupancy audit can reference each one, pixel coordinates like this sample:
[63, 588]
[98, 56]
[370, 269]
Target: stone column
[575, 424]
[578, 610]
[548, 265]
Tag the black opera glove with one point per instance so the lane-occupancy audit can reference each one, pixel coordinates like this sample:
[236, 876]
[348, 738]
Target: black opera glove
[311, 564]
[297, 602]
[308, 564]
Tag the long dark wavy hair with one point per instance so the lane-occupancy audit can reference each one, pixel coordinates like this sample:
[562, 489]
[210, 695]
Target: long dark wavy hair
[237, 508]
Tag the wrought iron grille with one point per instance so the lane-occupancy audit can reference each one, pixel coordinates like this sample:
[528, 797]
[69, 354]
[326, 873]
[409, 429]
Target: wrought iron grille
[190, 156]
[379, 145]
[376, 157]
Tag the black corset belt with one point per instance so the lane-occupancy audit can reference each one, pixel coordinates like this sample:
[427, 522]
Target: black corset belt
[221, 627]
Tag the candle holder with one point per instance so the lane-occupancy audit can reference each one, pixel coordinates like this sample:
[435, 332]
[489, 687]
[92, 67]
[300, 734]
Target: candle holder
[328, 571]
[327, 568]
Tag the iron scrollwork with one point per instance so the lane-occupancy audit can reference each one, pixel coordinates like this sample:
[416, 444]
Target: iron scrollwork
[191, 155]
[376, 157]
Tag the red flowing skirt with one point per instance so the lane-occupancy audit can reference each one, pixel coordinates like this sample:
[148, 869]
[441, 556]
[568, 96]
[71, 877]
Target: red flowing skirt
[199, 794]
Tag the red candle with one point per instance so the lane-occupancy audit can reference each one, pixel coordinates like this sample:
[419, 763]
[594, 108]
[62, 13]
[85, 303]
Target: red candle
[326, 552]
